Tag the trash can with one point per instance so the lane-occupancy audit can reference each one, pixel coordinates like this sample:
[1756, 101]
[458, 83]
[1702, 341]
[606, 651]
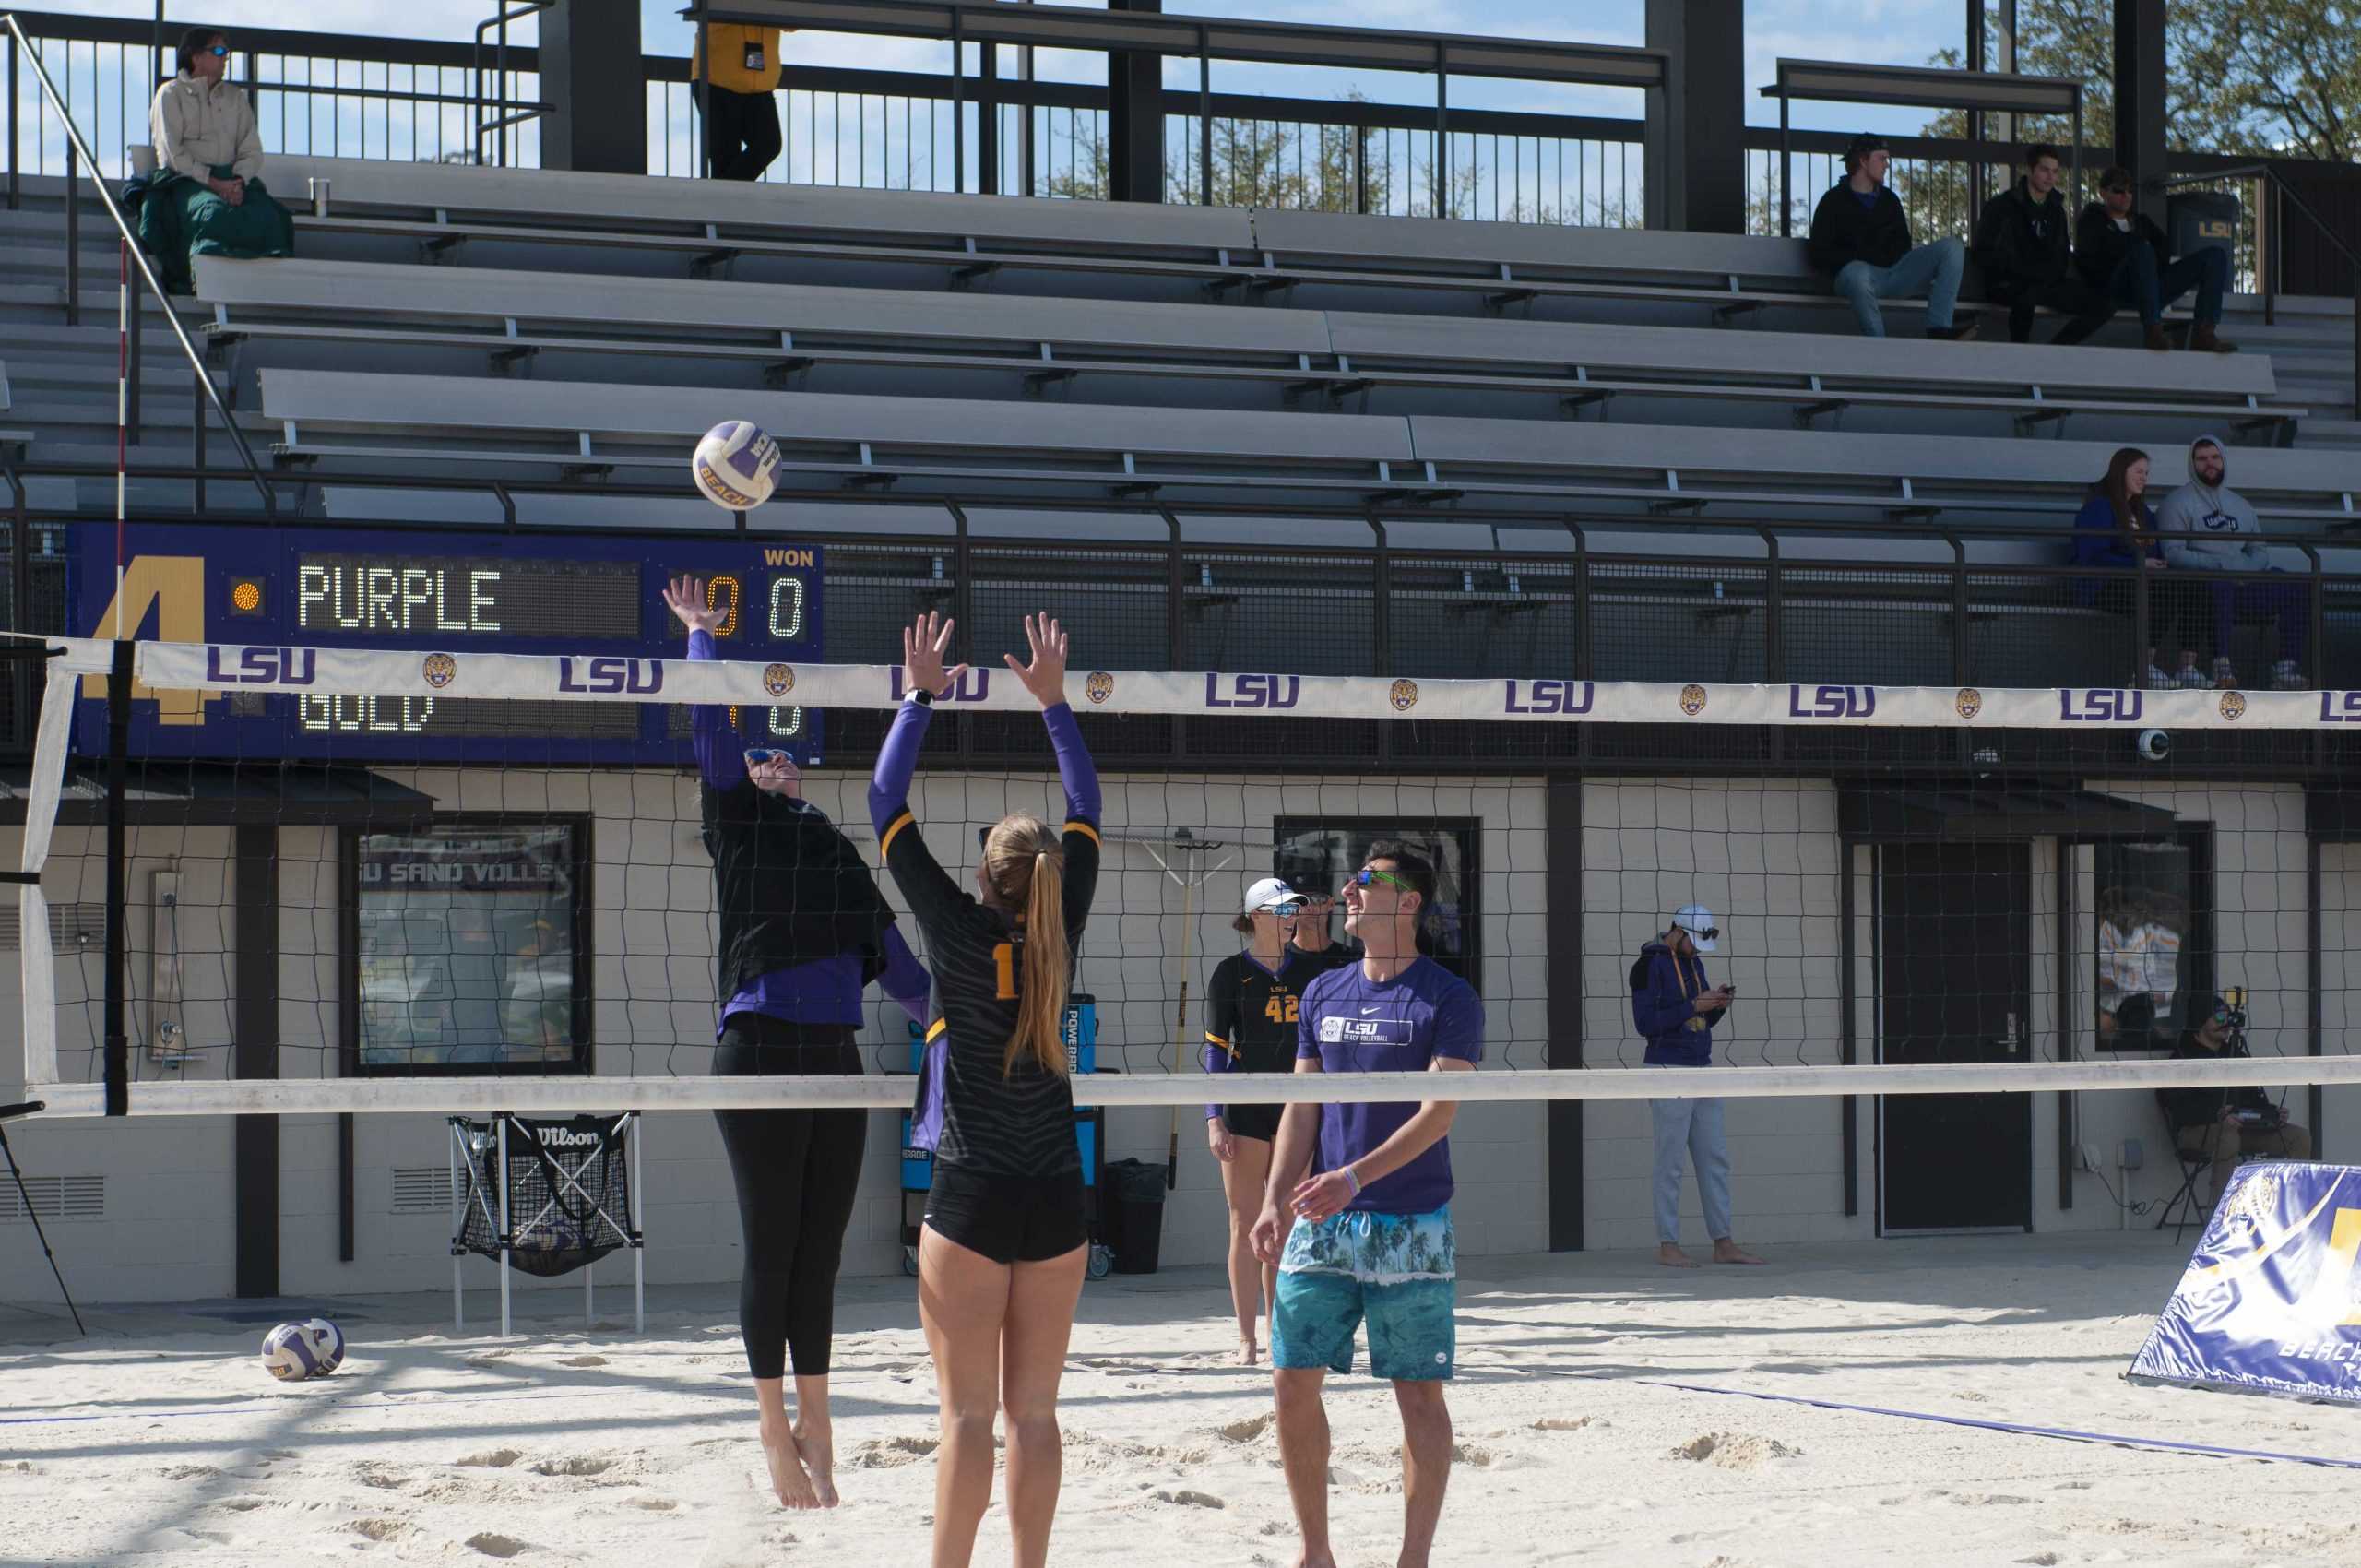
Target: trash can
[2195, 220]
[1131, 1212]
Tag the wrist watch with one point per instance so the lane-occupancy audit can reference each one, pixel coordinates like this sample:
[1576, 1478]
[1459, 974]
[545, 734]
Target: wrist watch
[921, 697]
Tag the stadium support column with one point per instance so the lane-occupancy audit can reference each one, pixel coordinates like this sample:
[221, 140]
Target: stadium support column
[1134, 117]
[1563, 938]
[596, 88]
[2140, 99]
[256, 1030]
[1696, 126]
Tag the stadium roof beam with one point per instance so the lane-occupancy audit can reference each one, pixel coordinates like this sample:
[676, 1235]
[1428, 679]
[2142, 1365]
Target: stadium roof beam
[1204, 40]
[1926, 87]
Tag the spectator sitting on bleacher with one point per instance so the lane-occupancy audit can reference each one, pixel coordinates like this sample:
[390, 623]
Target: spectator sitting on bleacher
[2023, 246]
[207, 196]
[741, 134]
[2208, 526]
[2124, 255]
[2117, 529]
[1861, 237]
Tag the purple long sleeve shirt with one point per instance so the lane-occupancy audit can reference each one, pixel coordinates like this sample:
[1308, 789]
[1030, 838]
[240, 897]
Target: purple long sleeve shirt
[825, 991]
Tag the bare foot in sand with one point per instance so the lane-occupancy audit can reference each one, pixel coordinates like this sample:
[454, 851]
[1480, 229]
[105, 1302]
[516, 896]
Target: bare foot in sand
[1669, 1254]
[1311, 1559]
[815, 1441]
[785, 1460]
[1727, 1251]
[1247, 1354]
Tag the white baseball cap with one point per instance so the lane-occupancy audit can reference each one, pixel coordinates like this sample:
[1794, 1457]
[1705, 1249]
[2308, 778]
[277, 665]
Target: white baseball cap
[1698, 921]
[1269, 891]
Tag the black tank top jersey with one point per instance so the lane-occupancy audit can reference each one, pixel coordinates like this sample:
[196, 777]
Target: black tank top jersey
[1253, 1012]
[1018, 1122]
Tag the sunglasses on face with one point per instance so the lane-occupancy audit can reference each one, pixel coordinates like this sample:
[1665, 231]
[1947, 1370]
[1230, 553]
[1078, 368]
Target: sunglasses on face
[219, 52]
[1283, 911]
[1711, 934]
[757, 756]
[1368, 875]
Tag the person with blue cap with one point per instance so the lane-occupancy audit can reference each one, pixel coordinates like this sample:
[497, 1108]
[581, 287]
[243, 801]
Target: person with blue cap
[1675, 1008]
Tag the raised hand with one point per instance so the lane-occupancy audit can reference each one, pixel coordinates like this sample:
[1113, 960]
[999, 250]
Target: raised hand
[684, 596]
[923, 644]
[1045, 677]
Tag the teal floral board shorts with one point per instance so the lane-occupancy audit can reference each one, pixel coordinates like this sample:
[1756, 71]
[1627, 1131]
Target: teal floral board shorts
[1396, 1272]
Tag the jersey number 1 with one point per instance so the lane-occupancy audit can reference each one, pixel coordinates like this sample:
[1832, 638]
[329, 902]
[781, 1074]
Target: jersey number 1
[1004, 971]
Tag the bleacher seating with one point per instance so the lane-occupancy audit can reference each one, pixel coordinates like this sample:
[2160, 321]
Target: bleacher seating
[576, 425]
[1241, 253]
[510, 314]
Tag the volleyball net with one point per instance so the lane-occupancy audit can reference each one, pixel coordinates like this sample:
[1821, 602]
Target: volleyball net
[440, 906]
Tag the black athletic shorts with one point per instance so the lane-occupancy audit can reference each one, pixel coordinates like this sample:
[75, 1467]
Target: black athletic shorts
[1007, 1218]
[1252, 1120]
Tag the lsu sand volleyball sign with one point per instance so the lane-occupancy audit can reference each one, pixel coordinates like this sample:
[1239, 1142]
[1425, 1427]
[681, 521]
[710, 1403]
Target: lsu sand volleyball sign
[2272, 1300]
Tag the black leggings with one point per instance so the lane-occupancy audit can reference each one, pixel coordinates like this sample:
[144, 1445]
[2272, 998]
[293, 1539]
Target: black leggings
[742, 132]
[796, 1171]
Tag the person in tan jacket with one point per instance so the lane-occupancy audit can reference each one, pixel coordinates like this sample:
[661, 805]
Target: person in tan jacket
[207, 196]
[734, 84]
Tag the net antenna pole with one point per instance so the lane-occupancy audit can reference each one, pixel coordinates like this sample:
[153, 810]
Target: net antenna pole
[118, 1043]
[26, 1198]
[500, 1121]
[1183, 845]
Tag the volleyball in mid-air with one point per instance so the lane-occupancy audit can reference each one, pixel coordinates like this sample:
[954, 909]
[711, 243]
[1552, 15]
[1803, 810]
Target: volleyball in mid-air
[294, 1351]
[735, 464]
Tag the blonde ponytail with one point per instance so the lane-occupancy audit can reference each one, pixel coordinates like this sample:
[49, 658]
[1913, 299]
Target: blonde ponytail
[1027, 865]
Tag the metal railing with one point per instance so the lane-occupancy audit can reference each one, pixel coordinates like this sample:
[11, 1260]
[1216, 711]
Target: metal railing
[495, 114]
[78, 152]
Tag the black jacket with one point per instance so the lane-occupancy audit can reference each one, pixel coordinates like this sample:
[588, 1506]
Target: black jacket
[792, 888]
[1843, 230]
[2100, 247]
[2020, 241]
[2202, 1108]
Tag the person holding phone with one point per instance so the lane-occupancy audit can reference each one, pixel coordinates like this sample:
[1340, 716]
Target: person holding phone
[803, 932]
[1675, 1008]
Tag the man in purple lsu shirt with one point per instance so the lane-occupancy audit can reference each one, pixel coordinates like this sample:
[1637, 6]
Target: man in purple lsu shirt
[1371, 1237]
[803, 932]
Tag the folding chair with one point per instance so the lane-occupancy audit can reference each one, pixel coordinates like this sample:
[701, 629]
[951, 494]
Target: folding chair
[546, 1198]
[2192, 1166]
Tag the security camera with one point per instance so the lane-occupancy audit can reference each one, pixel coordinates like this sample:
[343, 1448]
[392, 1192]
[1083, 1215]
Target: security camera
[2156, 745]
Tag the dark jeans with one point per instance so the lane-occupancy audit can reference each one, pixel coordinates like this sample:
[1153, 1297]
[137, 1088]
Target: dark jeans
[2141, 282]
[741, 133]
[2068, 296]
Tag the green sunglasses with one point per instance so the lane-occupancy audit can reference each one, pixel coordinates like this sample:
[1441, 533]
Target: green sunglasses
[1367, 874]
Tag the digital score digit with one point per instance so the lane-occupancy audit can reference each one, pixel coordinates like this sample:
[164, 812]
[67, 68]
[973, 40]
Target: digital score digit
[724, 592]
[787, 608]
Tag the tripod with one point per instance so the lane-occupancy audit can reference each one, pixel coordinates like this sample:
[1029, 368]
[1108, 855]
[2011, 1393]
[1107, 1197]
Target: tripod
[8, 1113]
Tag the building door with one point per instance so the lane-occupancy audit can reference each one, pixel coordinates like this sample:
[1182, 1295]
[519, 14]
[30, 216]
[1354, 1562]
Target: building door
[1955, 985]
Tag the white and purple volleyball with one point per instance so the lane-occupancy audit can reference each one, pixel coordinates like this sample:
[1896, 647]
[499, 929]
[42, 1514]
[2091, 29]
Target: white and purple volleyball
[735, 465]
[294, 1351]
[328, 1342]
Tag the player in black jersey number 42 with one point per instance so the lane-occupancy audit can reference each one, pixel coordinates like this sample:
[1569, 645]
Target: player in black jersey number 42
[1001, 1253]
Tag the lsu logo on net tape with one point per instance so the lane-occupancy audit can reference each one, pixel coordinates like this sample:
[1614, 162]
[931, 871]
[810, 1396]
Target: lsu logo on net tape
[1099, 686]
[439, 669]
[1692, 700]
[778, 679]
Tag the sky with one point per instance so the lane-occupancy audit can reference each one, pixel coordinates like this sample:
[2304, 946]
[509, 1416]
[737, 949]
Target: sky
[1878, 31]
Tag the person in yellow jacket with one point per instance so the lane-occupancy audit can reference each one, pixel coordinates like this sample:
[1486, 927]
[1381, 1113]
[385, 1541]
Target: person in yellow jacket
[741, 133]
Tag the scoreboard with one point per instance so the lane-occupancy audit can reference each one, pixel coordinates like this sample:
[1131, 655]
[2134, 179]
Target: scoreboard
[427, 591]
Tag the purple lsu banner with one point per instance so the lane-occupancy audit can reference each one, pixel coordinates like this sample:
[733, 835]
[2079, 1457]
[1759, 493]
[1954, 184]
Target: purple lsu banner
[2268, 1304]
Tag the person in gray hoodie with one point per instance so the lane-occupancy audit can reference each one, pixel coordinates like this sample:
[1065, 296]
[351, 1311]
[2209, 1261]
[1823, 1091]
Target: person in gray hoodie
[2207, 527]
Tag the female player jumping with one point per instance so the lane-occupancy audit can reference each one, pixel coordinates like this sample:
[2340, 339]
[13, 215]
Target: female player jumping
[1001, 1256]
[803, 932]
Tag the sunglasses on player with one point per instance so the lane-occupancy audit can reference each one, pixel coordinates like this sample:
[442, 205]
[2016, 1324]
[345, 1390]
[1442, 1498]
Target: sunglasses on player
[1368, 875]
[1284, 911]
[1711, 934]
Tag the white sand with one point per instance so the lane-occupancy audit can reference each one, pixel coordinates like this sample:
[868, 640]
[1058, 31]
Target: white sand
[564, 1446]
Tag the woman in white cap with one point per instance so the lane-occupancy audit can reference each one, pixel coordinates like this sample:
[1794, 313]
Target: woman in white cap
[1675, 1009]
[1252, 1011]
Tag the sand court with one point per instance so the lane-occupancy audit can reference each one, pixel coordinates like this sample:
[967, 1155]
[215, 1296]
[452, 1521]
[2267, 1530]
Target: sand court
[159, 1439]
